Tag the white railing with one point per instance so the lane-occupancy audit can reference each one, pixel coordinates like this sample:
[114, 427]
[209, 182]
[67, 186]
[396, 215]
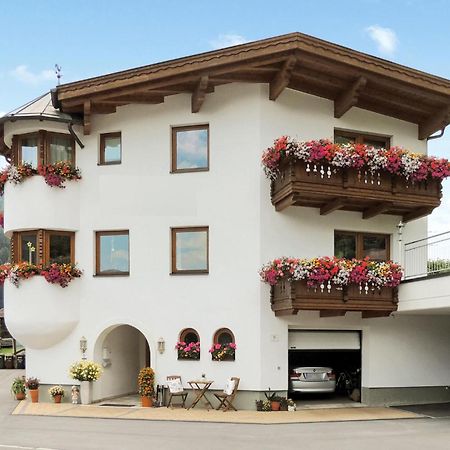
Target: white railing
[428, 256]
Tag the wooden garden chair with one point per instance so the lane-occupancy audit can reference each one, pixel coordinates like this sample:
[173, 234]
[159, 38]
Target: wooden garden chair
[176, 392]
[226, 398]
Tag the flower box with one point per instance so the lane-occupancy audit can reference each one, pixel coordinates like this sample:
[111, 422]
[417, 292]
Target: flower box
[354, 177]
[290, 297]
[353, 190]
[332, 286]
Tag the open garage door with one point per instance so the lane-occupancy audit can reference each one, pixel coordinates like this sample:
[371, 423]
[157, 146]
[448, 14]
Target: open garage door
[334, 349]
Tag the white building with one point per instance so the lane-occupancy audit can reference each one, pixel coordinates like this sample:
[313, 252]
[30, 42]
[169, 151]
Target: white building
[164, 248]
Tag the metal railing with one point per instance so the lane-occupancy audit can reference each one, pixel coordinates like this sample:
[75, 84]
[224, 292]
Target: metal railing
[428, 256]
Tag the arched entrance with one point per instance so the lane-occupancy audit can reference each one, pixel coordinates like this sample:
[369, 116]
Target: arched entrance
[122, 350]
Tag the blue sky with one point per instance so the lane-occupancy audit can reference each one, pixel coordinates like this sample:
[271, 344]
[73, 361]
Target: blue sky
[89, 38]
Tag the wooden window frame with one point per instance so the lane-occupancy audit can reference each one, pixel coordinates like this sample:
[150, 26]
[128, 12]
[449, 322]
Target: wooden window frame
[173, 162]
[42, 245]
[42, 136]
[98, 235]
[103, 136]
[185, 331]
[359, 236]
[193, 229]
[360, 137]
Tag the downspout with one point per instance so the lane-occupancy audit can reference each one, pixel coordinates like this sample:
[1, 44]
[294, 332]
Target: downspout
[437, 136]
[74, 135]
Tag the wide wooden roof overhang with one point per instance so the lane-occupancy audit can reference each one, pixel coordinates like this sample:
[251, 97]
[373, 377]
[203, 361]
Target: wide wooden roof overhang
[294, 61]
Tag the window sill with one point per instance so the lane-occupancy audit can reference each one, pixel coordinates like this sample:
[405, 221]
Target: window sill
[111, 274]
[204, 169]
[191, 272]
[110, 164]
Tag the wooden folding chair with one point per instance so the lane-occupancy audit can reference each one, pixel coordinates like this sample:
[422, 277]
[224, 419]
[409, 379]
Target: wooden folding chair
[226, 400]
[183, 394]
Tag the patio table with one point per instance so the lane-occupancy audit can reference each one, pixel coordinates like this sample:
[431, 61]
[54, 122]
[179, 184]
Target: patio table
[200, 387]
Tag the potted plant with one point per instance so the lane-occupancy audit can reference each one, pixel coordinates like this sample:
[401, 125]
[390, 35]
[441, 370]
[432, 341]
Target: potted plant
[284, 404]
[146, 382]
[259, 405]
[188, 350]
[291, 405]
[32, 385]
[18, 388]
[57, 393]
[275, 403]
[85, 372]
[266, 406]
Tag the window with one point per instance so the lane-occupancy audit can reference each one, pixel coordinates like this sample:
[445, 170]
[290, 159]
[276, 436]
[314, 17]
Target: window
[347, 137]
[360, 245]
[189, 335]
[28, 150]
[190, 148]
[110, 148]
[57, 247]
[59, 147]
[224, 346]
[190, 250]
[112, 253]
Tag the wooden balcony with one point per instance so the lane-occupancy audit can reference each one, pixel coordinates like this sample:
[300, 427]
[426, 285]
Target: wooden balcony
[290, 297]
[331, 189]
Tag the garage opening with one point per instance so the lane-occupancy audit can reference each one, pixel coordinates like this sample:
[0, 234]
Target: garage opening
[325, 367]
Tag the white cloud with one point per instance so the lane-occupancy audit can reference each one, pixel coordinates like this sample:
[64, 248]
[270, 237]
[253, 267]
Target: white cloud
[23, 74]
[227, 40]
[385, 38]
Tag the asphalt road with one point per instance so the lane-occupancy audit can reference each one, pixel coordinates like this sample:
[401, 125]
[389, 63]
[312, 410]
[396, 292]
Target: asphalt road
[57, 433]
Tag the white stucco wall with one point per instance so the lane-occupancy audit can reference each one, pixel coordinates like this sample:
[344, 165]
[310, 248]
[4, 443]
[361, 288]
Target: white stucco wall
[245, 231]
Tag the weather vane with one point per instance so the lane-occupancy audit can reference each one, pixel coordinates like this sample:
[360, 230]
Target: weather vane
[58, 73]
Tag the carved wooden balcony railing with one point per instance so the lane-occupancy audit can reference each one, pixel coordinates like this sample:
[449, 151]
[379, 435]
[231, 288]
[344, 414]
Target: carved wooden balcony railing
[290, 297]
[325, 187]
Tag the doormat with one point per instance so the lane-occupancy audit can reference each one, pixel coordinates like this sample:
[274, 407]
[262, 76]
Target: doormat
[118, 405]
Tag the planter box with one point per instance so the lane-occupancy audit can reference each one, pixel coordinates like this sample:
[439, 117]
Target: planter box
[291, 297]
[331, 189]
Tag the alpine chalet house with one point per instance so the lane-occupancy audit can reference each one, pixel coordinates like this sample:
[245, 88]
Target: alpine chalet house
[203, 199]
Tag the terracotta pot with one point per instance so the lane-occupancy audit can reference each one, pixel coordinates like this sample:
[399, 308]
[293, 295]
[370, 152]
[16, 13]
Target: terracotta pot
[57, 398]
[34, 393]
[20, 396]
[275, 406]
[146, 402]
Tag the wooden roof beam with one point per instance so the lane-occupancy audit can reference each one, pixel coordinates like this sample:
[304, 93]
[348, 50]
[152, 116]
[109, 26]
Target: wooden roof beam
[332, 205]
[137, 98]
[435, 123]
[375, 210]
[417, 214]
[87, 110]
[349, 98]
[282, 78]
[198, 96]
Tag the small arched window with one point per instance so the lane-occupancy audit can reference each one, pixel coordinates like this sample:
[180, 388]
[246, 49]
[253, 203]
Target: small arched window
[188, 345]
[224, 345]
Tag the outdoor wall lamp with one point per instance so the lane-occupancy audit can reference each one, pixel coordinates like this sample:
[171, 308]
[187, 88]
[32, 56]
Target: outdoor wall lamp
[161, 345]
[83, 347]
[106, 359]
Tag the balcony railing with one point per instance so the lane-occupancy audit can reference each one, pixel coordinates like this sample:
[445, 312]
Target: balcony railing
[330, 189]
[428, 256]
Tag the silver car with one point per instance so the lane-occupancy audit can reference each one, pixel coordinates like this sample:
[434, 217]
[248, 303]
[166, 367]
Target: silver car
[312, 379]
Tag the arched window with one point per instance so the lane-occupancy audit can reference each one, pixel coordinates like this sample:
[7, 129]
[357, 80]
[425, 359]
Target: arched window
[188, 345]
[224, 345]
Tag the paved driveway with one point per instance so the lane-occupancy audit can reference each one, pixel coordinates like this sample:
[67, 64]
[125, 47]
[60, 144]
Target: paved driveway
[30, 432]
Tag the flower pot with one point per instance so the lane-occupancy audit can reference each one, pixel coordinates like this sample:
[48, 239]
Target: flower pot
[34, 394]
[86, 392]
[57, 398]
[275, 406]
[20, 396]
[146, 402]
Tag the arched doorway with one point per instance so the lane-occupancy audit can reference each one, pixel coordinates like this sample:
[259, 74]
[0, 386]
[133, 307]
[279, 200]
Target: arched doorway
[122, 350]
